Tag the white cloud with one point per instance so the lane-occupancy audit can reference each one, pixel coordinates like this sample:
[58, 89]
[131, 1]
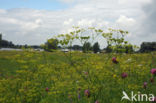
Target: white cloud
[67, 1]
[125, 21]
[2, 11]
[133, 1]
[86, 22]
[36, 26]
[68, 22]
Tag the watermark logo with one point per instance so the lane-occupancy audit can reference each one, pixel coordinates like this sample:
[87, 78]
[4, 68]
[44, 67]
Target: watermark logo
[137, 97]
[125, 96]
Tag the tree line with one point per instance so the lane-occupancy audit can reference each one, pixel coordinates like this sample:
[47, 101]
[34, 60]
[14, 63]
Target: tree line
[53, 44]
[9, 44]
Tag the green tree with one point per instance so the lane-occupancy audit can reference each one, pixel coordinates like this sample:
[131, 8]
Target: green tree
[129, 48]
[108, 49]
[51, 44]
[96, 47]
[148, 47]
[86, 47]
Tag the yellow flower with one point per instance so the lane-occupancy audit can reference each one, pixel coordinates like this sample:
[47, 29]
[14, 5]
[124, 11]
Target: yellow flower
[114, 76]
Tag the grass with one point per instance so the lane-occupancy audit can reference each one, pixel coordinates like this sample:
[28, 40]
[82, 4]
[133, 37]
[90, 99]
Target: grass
[44, 77]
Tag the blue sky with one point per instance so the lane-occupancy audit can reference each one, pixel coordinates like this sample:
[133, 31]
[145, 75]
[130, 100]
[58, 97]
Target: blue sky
[33, 4]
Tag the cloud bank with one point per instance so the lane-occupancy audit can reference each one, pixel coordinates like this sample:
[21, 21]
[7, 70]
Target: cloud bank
[29, 26]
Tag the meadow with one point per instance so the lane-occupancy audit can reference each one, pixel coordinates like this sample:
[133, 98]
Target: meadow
[52, 77]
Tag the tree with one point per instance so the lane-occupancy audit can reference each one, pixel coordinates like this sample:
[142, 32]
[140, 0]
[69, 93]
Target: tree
[129, 48]
[96, 47]
[148, 47]
[76, 47]
[51, 44]
[86, 47]
[108, 49]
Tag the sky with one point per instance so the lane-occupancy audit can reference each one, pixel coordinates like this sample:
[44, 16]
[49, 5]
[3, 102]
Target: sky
[32, 22]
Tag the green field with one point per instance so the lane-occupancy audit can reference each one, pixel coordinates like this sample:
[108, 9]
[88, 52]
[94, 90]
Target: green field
[57, 77]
